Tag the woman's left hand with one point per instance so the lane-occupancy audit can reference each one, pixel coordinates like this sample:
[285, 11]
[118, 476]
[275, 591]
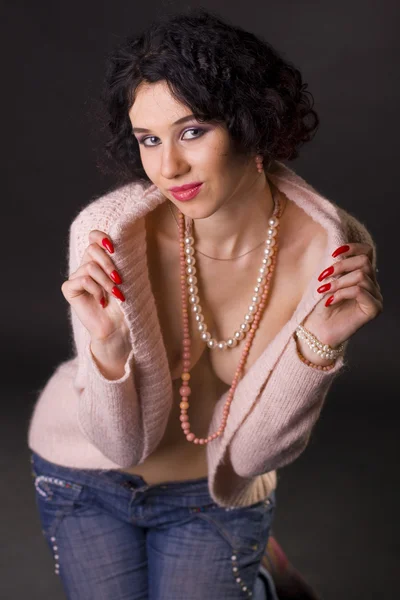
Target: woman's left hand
[356, 296]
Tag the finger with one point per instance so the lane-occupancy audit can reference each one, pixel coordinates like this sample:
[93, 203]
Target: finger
[102, 239]
[346, 265]
[356, 277]
[371, 305]
[94, 253]
[96, 272]
[84, 284]
[356, 248]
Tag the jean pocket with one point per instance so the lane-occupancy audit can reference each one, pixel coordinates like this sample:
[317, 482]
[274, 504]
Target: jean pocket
[56, 490]
[50, 486]
[56, 498]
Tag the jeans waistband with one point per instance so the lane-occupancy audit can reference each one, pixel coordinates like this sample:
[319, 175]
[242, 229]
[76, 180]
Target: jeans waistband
[100, 477]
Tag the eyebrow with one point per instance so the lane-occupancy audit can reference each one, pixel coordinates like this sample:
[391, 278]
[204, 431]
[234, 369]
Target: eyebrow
[182, 120]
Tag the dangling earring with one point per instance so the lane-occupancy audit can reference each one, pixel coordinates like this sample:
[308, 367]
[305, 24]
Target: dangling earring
[259, 162]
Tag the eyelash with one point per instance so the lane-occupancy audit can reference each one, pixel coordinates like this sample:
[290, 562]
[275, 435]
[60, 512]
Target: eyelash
[202, 131]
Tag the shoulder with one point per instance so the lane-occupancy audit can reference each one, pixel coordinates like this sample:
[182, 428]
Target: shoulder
[108, 207]
[315, 243]
[326, 213]
[351, 229]
[303, 238]
[354, 230]
[102, 212]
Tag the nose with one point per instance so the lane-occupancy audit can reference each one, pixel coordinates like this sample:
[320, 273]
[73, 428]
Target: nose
[173, 162]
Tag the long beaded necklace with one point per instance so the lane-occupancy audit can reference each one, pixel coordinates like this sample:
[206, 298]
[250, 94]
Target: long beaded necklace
[249, 326]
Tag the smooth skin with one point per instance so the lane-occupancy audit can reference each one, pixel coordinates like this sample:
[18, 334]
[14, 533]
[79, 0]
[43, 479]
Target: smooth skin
[232, 209]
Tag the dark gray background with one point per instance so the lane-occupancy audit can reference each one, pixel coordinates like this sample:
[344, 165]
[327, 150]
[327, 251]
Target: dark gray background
[338, 503]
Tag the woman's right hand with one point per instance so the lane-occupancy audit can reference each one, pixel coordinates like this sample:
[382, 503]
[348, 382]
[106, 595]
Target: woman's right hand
[86, 287]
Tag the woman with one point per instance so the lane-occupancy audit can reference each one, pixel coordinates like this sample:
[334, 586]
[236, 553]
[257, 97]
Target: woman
[196, 314]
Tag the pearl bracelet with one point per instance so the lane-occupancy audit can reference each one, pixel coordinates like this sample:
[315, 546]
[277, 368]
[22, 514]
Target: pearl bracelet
[323, 350]
[314, 366]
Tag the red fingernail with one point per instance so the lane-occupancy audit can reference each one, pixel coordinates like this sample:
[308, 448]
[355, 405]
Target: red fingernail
[115, 277]
[326, 273]
[118, 294]
[340, 250]
[103, 302]
[108, 245]
[329, 301]
[324, 288]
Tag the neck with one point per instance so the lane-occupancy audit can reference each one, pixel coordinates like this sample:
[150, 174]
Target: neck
[238, 225]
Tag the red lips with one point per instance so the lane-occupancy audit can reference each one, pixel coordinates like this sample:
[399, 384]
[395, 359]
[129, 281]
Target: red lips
[187, 186]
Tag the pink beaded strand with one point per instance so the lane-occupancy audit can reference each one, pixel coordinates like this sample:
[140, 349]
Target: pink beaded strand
[185, 389]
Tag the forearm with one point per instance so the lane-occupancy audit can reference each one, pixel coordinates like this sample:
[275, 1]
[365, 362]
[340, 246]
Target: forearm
[121, 408]
[111, 357]
[109, 412]
[277, 428]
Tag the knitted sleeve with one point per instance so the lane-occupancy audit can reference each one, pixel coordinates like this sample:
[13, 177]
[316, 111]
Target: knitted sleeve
[109, 412]
[356, 231]
[278, 427]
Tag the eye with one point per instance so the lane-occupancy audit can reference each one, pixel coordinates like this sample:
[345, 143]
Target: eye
[154, 137]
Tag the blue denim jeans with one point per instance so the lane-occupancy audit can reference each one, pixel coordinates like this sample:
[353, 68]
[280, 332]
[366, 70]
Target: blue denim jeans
[115, 537]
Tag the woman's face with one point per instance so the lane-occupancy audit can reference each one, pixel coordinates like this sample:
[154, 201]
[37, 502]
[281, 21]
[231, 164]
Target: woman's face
[175, 154]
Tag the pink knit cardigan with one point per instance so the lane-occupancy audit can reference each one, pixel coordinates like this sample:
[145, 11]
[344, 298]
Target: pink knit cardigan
[83, 420]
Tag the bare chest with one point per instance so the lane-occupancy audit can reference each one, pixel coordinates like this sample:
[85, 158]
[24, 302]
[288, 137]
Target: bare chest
[225, 291]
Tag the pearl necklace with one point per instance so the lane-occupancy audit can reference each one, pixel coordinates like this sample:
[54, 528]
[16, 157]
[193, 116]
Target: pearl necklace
[192, 289]
[253, 317]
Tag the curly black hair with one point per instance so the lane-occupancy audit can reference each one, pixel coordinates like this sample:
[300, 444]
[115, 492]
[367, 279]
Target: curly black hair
[222, 73]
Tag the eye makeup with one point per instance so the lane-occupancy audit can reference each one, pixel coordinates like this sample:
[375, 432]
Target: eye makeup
[199, 129]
